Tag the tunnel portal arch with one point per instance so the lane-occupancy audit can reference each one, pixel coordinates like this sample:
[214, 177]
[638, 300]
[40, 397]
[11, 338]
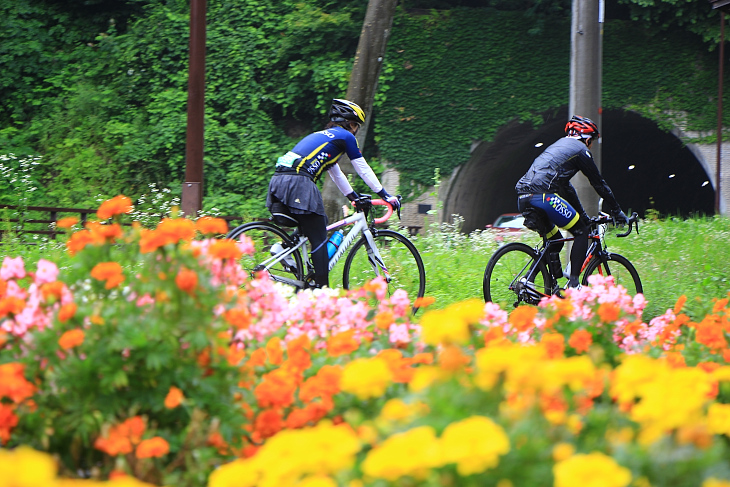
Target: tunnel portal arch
[646, 167]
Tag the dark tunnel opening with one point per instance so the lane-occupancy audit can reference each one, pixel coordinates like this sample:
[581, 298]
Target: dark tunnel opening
[646, 167]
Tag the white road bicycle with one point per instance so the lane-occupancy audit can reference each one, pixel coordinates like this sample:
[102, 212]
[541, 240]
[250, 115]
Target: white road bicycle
[285, 255]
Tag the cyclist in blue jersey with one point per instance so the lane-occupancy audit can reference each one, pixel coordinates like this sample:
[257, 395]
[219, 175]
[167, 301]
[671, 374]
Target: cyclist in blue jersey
[548, 201]
[292, 187]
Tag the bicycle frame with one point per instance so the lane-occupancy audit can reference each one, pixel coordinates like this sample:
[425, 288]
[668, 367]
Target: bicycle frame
[360, 226]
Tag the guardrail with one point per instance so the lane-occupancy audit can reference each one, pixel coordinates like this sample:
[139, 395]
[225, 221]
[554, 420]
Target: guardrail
[40, 220]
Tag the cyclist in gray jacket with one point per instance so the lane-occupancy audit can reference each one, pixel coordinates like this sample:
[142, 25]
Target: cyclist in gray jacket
[548, 201]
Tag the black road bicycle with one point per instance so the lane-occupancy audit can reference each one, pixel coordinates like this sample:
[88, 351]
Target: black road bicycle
[518, 273]
[285, 254]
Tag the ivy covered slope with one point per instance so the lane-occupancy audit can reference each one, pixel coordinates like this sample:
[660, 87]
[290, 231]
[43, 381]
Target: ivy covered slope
[454, 77]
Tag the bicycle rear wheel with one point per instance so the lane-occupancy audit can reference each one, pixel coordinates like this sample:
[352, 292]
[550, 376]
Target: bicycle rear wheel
[400, 258]
[504, 278]
[265, 235]
[624, 273]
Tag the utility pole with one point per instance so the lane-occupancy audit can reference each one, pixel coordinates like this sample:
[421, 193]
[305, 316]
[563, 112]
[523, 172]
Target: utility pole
[586, 59]
[192, 190]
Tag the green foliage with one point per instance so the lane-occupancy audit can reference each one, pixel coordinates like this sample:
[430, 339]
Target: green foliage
[99, 88]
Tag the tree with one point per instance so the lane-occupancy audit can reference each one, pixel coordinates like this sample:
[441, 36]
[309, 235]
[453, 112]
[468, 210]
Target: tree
[363, 84]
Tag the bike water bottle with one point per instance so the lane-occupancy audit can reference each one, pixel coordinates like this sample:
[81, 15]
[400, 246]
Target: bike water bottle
[334, 243]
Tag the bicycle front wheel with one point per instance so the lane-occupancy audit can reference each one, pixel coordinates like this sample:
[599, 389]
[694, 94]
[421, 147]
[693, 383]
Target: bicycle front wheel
[269, 240]
[624, 273]
[401, 262]
[505, 278]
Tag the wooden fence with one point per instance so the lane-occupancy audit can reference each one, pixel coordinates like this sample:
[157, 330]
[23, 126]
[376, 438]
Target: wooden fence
[41, 220]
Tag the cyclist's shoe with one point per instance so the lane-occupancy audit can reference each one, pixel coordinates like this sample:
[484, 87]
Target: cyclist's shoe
[573, 283]
[288, 260]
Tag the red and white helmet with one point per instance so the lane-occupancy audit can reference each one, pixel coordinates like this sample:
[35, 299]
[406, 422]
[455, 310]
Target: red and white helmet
[582, 127]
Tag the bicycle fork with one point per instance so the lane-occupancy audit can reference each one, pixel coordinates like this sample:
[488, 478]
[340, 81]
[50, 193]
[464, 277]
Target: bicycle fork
[376, 261]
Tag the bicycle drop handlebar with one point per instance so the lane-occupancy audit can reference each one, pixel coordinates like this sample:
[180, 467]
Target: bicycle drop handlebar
[378, 202]
[633, 222]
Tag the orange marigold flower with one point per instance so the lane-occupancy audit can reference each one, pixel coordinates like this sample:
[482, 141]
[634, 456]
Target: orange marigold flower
[96, 320]
[187, 281]
[384, 319]
[343, 343]
[174, 230]
[215, 439]
[133, 428]
[494, 334]
[522, 318]
[50, 290]
[710, 333]
[8, 421]
[554, 344]
[4, 288]
[66, 312]
[276, 389]
[325, 383]
[116, 206]
[106, 233]
[150, 240]
[240, 318]
[152, 448]
[608, 312]
[71, 338]
[117, 474]
[111, 272]
[11, 305]
[424, 302]
[580, 340]
[225, 249]
[680, 304]
[257, 358]
[208, 225]
[298, 418]
[719, 305]
[452, 359]
[114, 445]
[268, 423]
[81, 239]
[13, 384]
[274, 351]
[174, 398]
[424, 358]
[67, 222]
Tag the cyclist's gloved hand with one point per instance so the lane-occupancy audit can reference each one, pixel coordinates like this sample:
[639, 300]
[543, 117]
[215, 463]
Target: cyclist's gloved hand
[393, 200]
[352, 196]
[620, 218]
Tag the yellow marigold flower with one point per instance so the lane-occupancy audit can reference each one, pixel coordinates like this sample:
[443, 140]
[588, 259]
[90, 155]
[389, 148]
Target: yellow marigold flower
[25, 467]
[424, 376]
[713, 482]
[317, 481]
[322, 450]
[591, 470]
[632, 375]
[474, 444]
[413, 452]
[440, 326]
[718, 419]
[721, 374]
[516, 362]
[563, 451]
[366, 378]
[115, 206]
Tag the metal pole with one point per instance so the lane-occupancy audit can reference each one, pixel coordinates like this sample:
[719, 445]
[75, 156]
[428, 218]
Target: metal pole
[718, 186]
[192, 191]
[585, 81]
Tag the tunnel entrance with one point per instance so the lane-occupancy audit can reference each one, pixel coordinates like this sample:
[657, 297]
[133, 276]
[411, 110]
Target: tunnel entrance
[646, 167]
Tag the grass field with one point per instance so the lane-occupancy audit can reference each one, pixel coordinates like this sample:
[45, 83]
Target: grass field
[673, 256]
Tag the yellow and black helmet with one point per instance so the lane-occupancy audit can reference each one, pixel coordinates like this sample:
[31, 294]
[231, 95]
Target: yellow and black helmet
[346, 111]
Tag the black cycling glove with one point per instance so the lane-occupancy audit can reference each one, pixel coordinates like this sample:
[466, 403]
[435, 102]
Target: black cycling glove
[352, 196]
[394, 201]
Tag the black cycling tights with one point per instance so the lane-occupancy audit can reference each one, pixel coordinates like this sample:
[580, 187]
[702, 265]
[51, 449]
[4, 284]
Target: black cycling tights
[314, 227]
[578, 252]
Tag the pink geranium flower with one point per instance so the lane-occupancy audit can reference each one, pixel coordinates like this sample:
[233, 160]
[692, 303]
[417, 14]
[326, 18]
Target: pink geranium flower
[12, 269]
[47, 272]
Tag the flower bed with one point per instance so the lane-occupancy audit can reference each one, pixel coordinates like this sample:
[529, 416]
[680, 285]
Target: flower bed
[153, 359]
